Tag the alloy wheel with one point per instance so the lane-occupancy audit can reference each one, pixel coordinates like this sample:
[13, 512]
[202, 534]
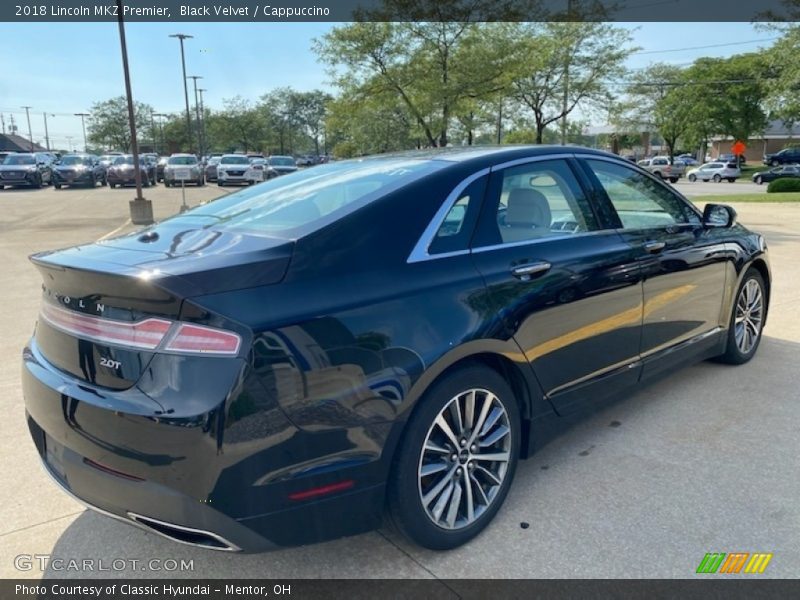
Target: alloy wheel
[749, 316]
[464, 459]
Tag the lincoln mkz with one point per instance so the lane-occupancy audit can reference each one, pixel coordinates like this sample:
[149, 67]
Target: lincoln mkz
[373, 338]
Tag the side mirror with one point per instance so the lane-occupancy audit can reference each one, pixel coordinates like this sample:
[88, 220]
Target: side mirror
[718, 215]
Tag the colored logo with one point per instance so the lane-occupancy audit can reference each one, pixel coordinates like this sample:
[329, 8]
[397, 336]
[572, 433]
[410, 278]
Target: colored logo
[735, 562]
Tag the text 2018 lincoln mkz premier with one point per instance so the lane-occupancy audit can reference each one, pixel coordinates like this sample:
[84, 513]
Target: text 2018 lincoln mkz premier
[386, 335]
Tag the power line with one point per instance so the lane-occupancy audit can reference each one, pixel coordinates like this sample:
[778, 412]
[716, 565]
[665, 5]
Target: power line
[705, 47]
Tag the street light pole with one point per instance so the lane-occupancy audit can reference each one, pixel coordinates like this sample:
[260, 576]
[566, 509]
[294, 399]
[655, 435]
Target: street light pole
[141, 209]
[197, 114]
[203, 119]
[181, 37]
[161, 130]
[83, 125]
[69, 143]
[30, 133]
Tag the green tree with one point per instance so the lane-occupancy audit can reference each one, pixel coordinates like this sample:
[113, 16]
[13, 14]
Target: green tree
[432, 67]
[109, 128]
[566, 65]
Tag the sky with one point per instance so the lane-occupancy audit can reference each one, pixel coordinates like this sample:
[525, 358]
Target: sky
[64, 68]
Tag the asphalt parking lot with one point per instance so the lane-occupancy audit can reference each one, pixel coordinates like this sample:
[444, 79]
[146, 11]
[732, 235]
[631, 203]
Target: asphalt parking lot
[704, 461]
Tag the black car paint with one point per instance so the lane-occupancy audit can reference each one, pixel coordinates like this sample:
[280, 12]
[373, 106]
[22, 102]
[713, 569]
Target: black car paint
[327, 378]
[72, 175]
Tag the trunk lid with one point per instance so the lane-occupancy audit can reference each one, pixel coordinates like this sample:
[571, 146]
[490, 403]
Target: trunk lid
[136, 284]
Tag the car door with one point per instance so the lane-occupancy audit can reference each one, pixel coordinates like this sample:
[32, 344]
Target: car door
[567, 289]
[683, 263]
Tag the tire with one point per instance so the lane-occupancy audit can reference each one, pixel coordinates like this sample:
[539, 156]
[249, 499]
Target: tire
[453, 527]
[93, 183]
[37, 183]
[717, 178]
[759, 181]
[731, 179]
[658, 174]
[112, 185]
[775, 163]
[751, 292]
[692, 177]
[57, 186]
[220, 184]
[673, 180]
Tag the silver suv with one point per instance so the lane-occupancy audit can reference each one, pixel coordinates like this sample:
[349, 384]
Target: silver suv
[715, 171]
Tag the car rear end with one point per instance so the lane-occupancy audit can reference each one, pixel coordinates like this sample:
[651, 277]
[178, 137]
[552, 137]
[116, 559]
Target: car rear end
[128, 382]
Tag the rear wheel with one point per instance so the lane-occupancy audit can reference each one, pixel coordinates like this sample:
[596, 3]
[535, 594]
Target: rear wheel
[732, 179]
[456, 462]
[673, 180]
[57, 186]
[747, 319]
[775, 163]
[717, 178]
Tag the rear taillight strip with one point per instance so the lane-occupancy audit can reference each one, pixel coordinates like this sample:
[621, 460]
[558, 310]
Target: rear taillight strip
[147, 334]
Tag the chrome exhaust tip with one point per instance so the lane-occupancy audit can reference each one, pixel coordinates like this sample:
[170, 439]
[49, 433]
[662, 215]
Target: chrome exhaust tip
[185, 535]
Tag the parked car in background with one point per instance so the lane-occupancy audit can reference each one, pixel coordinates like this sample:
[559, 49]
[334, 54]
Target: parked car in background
[662, 166]
[211, 168]
[122, 171]
[245, 354]
[787, 156]
[26, 168]
[307, 160]
[3, 156]
[255, 156]
[262, 170]
[776, 173]
[160, 165]
[183, 168]
[282, 164]
[107, 160]
[689, 160]
[79, 169]
[715, 171]
[235, 168]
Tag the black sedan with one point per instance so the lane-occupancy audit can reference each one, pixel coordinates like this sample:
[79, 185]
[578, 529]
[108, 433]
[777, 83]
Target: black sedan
[776, 173]
[28, 169]
[79, 169]
[277, 366]
[787, 156]
[121, 172]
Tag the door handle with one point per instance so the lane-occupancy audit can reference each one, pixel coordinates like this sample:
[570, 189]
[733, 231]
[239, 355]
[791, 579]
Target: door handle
[525, 272]
[654, 247]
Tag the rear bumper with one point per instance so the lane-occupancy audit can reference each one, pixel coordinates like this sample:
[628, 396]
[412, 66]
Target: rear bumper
[174, 477]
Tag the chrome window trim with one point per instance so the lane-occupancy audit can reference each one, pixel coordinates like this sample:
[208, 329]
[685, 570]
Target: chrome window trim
[529, 159]
[553, 238]
[420, 252]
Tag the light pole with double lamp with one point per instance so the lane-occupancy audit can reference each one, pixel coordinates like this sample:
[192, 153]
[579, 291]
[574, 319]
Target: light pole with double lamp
[203, 119]
[197, 114]
[181, 37]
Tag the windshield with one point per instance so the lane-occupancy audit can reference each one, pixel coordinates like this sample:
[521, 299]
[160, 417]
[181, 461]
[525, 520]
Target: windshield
[182, 160]
[235, 160]
[126, 160]
[20, 159]
[75, 160]
[282, 161]
[304, 201]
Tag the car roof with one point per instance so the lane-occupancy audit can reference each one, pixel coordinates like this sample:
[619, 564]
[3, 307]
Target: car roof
[182, 154]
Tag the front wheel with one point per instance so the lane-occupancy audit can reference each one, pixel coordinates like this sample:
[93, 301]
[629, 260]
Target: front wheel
[759, 181]
[717, 178]
[747, 319]
[775, 163]
[673, 180]
[692, 178]
[457, 459]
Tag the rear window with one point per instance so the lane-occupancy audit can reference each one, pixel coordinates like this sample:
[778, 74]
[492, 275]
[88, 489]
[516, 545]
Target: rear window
[296, 204]
[235, 160]
[282, 161]
[20, 159]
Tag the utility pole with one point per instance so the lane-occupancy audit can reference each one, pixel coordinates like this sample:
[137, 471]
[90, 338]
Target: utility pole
[46, 133]
[3, 121]
[141, 209]
[83, 124]
[153, 128]
[69, 143]
[565, 99]
[203, 119]
[500, 123]
[30, 133]
[181, 37]
[197, 114]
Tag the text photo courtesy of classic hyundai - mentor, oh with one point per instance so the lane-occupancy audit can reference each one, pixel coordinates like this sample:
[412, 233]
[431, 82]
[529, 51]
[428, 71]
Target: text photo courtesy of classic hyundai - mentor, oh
[377, 338]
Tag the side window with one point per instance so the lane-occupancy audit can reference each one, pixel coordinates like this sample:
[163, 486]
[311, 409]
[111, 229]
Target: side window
[537, 200]
[456, 229]
[640, 202]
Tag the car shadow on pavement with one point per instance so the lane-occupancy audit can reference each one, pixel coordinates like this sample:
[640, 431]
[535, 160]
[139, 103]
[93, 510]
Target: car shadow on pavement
[660, 468]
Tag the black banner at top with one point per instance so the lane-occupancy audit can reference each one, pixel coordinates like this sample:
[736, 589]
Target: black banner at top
[399, 10]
